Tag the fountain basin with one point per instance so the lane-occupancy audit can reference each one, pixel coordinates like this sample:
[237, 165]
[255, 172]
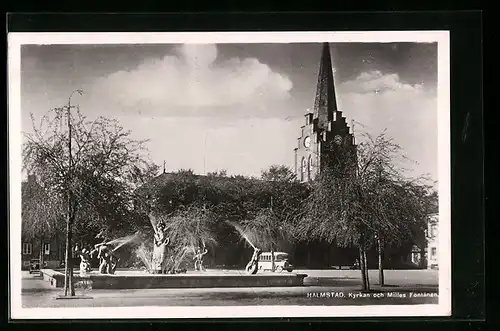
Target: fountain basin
[138, 280]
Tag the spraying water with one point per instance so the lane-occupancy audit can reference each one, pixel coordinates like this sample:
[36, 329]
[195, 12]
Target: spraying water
[119, 242]
[242, 233]
[144, 255]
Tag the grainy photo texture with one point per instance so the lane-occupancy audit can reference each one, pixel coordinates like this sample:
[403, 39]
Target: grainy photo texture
[229, 175]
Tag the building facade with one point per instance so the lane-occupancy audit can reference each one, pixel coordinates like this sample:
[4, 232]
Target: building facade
[48, 251]
[432, 249]
[47, 247]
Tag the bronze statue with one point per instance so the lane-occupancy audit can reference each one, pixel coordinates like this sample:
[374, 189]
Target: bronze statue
[253, 266]
[84, 260]
[159, 263]
[198, 259]
[107, 260]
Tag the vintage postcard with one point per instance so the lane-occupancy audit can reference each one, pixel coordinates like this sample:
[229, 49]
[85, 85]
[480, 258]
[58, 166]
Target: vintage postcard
[172, 175]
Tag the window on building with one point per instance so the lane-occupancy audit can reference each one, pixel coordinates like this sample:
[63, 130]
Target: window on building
[433, 230]
[433, 251]
[27, 248]
[309, 166]
[46, 249]
[303, 169]
[309, 118]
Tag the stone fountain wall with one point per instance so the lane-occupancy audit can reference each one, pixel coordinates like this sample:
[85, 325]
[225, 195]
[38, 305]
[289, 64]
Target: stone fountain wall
[203, 280]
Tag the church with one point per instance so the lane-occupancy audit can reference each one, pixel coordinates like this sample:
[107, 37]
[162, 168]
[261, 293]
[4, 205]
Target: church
[325, 129]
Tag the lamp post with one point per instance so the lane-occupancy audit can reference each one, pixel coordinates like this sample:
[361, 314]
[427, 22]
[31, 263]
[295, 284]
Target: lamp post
[68, 279]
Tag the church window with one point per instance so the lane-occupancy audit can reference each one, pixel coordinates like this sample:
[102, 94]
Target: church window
[303, 169]
[309, 166]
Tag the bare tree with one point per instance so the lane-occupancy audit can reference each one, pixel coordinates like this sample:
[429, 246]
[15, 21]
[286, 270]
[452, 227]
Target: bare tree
[76, 158]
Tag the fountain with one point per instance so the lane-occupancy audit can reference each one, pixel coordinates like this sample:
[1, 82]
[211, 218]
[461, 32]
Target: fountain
[124, 240]
[253, 265]
[144, 255]
[176, 258]
[242, 233]
[163, 269]
[84, 260]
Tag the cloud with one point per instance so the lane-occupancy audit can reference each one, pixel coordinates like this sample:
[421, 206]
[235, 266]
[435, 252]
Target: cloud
[192, 82]
[408, 112]
[377, 82]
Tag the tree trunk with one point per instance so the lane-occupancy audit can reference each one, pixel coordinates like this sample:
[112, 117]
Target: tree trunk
[68, 275]
[362, 268]
[367, 274]
[380, 263]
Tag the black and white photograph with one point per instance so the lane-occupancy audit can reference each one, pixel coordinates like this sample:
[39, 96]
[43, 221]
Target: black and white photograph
[235, 174]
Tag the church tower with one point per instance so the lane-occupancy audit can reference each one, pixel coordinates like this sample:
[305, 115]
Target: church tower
[325, 132]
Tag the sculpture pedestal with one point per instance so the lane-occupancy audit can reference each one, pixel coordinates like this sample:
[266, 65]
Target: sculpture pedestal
[158, 261]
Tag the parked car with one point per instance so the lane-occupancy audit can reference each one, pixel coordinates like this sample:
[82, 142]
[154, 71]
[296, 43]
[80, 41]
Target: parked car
[281, 262]
[35, 266]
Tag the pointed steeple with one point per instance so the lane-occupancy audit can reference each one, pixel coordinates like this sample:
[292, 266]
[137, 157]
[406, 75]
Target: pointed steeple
[325, 103]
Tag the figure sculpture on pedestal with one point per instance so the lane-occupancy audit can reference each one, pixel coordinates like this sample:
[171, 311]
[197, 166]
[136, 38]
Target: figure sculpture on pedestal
[253, 266]
[84, 261]
[107, 260]
[159, 263]
[198, 259]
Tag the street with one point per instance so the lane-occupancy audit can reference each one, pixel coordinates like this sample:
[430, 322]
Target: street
[322, 287]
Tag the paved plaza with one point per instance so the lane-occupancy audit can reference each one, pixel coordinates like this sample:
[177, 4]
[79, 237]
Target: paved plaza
[321, 287]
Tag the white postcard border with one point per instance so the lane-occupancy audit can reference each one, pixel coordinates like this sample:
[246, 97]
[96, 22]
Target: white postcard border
[443, 308]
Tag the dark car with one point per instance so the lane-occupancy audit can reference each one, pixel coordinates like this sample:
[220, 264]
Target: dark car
[35, 266]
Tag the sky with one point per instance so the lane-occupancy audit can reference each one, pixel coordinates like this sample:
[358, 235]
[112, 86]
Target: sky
[238, 107]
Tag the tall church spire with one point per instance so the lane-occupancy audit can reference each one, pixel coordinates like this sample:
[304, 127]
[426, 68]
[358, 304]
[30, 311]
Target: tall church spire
[325, 103]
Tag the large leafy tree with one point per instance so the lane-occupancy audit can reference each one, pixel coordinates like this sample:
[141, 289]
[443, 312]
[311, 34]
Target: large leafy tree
[91, 166]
